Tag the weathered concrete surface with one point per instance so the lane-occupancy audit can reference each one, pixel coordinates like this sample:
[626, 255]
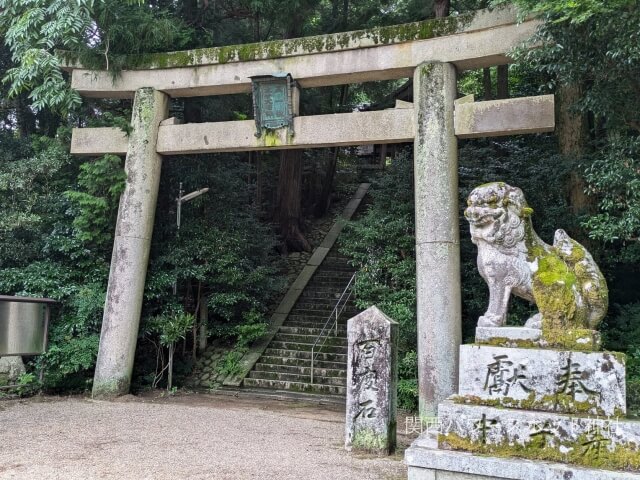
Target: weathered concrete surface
[437, 234]
[372, 382]
[388, 126]
[426, 463]
[550, 380]
[131, 248]
[485, 43]
[513, 116]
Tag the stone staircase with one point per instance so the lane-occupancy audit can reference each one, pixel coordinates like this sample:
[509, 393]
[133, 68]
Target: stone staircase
[285, 365]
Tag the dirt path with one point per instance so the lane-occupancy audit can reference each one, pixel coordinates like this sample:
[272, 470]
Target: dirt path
[184, 437]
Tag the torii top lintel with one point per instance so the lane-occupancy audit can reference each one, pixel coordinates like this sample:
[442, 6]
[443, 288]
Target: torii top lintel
[474, 40]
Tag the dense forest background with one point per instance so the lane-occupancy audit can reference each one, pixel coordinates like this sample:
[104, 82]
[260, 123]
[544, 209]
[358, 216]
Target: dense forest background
[56, 230]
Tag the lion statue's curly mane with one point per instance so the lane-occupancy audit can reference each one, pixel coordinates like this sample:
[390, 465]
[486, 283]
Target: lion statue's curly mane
[562, 279]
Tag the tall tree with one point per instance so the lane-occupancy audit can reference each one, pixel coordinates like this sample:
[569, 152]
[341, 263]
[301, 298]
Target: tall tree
[289, 211]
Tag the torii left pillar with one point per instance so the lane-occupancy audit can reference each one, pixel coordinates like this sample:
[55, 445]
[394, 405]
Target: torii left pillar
[131, 247]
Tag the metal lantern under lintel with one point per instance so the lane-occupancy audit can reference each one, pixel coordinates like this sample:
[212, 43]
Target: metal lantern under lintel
[275, 101]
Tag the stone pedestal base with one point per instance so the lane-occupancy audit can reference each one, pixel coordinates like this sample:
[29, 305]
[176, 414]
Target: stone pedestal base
[426, 462]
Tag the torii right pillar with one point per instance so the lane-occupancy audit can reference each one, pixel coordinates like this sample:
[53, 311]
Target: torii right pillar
[437, 234]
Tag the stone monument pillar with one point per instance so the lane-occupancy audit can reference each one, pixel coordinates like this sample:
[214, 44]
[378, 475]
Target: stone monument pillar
[437, 234]
[372, 381]
[131, 247]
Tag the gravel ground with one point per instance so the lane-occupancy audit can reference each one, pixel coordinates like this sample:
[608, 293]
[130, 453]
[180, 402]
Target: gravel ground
[183, 437]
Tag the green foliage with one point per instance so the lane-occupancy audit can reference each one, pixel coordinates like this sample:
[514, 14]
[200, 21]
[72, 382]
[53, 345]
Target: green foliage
[69, 360]
[381, 245]
[95, 207]
[27, 384]
[249, 333]
[40, 256]
[594, 46]
[171, 327]
[574, 12]
[33, 29]
[408, 381]
[231, 364]
[613, 177]
[227, 250]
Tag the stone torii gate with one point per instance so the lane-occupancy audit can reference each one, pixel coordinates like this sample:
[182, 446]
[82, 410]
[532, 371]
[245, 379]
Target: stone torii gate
[432, 52]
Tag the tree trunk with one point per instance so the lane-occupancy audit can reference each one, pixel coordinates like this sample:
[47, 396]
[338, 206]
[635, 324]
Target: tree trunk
[345, 16]
[572, 130]
[170, 367]
[486, 83]
[289, 201]
[204, 320]
[441, 8]
[324, 201]
[503, 82]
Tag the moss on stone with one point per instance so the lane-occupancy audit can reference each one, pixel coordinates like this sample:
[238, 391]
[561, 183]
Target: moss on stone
[509, 342]
[270, 138]
[370, 441]
[277, 48]
[577, 339]
[112, 388]
[578, 452]
[558, 403]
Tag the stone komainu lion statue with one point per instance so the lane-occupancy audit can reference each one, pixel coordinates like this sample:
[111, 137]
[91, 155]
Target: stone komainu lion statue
[563, 280]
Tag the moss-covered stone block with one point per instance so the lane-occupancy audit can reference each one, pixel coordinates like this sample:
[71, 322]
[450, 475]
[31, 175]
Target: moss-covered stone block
[598, 442]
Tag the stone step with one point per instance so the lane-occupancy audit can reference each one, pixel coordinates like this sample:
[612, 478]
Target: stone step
[301, 370]
[337, 285]
[315, 322]
[333, 401]
[307, 347]
[304, 330]
[292, 377]
[335, 260]
[321, 293]
[306, 354]
[322, 290]
[306, 305]
[316, 328]
[347, 313]
[295, 386]
[302, 362]
[337, 268]
[333, 275]
[327, 338]
[326, 306]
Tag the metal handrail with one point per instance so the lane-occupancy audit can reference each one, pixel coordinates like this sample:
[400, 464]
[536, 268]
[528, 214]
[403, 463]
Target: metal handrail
[333, 316]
